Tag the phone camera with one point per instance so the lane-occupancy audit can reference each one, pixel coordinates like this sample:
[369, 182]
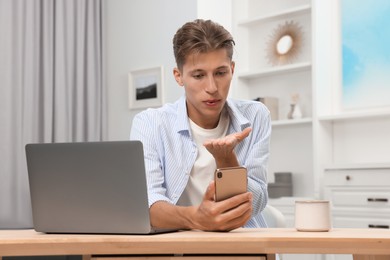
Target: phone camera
[219, 174]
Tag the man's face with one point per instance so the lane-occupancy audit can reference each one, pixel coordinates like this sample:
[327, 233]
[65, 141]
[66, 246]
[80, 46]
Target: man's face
[206, 79]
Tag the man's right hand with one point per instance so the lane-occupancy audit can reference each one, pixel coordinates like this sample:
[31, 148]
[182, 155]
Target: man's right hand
[224, 215]
[210, 215]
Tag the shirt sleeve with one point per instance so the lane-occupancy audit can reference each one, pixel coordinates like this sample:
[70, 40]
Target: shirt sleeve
[145, 129]
[256, 158]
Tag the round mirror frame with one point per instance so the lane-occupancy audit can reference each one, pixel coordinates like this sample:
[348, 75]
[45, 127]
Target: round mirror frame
[285, 43]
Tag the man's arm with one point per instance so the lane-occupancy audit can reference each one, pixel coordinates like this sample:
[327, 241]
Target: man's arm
[209, 215]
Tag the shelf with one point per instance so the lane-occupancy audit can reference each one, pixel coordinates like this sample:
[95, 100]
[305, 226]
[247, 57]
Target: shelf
[357, 166]
[355, 115]
[277, 15]
[292, 122]
[275, 70]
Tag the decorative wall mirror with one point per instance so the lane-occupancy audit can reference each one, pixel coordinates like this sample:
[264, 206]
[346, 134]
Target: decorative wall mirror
[285, 43]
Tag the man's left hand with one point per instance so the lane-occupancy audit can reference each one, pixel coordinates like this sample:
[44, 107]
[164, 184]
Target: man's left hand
[223, 148]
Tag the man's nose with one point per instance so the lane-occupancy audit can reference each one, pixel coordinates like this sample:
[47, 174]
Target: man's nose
[211, 86]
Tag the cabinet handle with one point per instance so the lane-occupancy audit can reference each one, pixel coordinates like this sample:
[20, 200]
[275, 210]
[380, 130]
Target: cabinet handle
[377, 200]
[378, 226]
[348, 178]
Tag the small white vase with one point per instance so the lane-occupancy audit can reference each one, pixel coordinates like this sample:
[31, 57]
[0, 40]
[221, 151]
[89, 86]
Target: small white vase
[297, 113]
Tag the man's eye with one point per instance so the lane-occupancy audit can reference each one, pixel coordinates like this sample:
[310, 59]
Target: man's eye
[198, 76]
[221, 73]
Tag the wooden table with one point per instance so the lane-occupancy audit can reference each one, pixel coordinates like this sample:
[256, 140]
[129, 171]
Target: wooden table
[362, 243]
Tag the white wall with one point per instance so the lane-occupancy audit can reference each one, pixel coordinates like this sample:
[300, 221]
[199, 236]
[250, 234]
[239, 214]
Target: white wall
[138, 34]
[219, 11]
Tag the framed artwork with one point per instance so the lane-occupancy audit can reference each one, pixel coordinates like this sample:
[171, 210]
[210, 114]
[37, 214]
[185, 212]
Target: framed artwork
[365, 53]
[145, 88]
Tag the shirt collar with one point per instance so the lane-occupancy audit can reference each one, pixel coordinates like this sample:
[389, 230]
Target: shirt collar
[238, 121]
[182, 116]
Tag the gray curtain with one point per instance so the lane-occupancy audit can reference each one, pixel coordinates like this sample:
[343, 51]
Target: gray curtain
[51, 87]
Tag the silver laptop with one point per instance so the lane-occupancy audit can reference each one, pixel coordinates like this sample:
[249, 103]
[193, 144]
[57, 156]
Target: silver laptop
[90, 187]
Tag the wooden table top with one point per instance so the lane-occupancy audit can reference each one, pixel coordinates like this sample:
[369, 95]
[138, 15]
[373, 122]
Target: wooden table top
[239, 241]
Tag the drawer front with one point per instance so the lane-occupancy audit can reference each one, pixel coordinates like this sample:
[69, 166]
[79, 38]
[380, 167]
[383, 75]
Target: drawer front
[369, 199]
[377, 177]
[353, 222]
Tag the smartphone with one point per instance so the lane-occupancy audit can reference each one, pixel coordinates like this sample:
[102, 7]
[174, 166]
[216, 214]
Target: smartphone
[229, 182]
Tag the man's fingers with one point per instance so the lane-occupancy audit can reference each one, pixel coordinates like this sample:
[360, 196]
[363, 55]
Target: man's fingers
[236, 216]
[241, 136]
[234, 202]
[247, 131]
[228, 140]
[242, 215]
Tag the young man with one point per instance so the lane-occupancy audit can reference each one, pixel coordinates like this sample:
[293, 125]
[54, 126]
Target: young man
[186, 141]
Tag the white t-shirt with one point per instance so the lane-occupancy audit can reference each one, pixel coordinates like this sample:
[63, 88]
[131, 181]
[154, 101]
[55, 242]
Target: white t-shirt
[202, 172]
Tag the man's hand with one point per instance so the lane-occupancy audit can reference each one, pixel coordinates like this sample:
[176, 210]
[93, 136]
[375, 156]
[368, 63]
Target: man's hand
[222, 149]
[225, 215]
[210, 215]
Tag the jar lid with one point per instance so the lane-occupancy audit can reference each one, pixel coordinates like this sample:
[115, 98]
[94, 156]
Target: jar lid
[312, 201]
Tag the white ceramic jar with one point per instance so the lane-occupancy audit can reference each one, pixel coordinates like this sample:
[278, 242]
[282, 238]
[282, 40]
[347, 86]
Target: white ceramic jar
[313, 215]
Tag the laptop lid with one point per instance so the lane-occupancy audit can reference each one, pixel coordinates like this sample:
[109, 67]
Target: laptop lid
[90, 187]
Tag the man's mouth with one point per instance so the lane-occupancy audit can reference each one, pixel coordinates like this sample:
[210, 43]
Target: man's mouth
[212, 102]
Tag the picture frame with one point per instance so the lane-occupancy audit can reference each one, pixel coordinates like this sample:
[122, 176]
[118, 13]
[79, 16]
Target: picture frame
[146, 88]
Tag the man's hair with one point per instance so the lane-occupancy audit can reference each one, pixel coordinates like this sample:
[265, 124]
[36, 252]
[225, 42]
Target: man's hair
[200, 36]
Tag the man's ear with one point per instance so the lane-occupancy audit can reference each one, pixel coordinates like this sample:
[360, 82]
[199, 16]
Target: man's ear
[232, 65]
[177, 75]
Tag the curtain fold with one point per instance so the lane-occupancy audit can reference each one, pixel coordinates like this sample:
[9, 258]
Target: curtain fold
[51, 87]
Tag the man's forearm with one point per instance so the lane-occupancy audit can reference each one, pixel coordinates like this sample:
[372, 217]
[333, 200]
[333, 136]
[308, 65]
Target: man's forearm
[166, 215]
[230, 161]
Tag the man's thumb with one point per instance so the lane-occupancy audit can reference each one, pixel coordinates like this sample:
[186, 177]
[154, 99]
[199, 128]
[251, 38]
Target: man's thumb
[210, 192]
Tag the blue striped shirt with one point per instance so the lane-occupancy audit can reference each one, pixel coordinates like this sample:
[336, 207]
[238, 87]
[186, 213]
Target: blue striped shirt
[170, 151]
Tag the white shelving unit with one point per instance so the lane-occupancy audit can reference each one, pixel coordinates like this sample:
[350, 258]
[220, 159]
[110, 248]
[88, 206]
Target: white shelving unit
[254, 21]
[333, 153]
